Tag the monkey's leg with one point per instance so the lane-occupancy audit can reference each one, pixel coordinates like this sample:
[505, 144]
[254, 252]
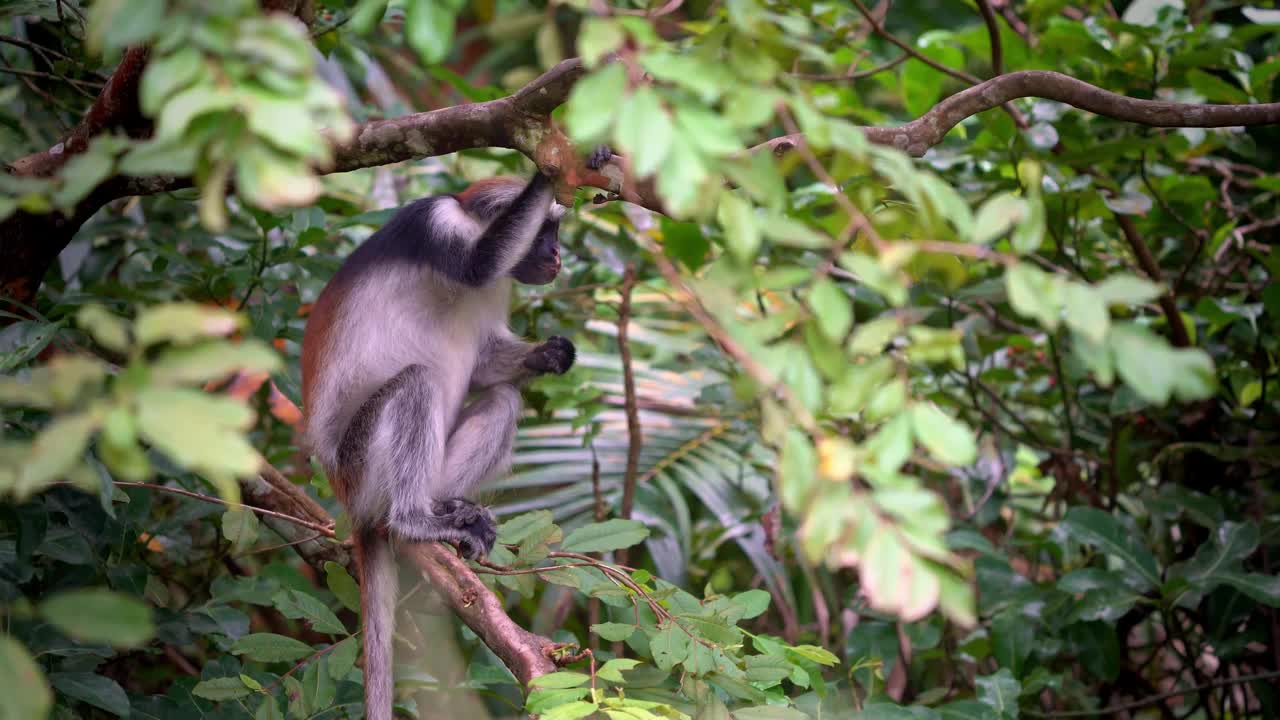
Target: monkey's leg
[479, 449]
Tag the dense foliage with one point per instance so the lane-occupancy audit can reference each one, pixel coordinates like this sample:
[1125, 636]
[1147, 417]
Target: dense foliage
[986, 433]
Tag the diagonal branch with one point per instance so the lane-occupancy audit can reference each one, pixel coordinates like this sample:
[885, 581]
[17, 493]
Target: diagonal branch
[526, 654]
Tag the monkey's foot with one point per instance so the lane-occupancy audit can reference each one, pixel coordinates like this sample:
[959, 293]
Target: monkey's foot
[471, 527]
[598, 157]
[556, 355]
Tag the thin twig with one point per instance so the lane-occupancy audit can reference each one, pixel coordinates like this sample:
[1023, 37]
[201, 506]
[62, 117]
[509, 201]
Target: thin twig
[635, 436]
[1177, 330]
[850, 74]
[321, 529]
[993, 31]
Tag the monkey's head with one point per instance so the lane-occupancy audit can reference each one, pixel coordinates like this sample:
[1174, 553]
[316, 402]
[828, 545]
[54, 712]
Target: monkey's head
[542, 264]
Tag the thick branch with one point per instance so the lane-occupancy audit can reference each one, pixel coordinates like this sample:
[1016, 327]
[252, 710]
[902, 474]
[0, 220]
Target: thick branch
[917, 136]
[526, 654]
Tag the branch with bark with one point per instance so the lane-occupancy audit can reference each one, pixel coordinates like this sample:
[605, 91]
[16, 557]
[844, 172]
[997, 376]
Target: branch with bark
[30, 242]
[526, 654]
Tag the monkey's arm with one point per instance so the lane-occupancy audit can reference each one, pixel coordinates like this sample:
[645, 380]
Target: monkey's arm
[501, 246]
[507, 359]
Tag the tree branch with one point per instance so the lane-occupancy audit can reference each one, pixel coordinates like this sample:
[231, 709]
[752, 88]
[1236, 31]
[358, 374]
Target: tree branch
[526, 654]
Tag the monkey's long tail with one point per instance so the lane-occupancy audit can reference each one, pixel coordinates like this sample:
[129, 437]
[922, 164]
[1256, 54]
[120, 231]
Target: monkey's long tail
[379, 584]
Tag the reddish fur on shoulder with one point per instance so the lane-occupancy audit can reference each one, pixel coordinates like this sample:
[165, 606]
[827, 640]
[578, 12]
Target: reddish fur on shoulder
[480, 191]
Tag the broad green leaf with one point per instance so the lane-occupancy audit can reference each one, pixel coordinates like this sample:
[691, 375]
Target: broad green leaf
[570, 711]
[741, 229]
[613, 669]
[219, 689]
[342, 585]
[598, 37]
[594, 103]
[200, 431]
[894, 580]
[1035, 294]
[832, 309]
[644, 131]
[1087, 312]
[544, 699]
[24, 694]
[56, 450]
[753, 602]
[429, 29]
[1013, 638]
[946, 438]
[303, 606]
[240, 528]
[317, 686]
[614, 632]
[100, 615]
[521, 527]
[1124, 289]
[997, 216]
[1263, 588]
[342, 658]
[669, 645]
[183, 322]
[1092, 526]
[96, 690]
[605, 536]
[269, 647]
[1000, 691]
[560, 680]
[108, 329]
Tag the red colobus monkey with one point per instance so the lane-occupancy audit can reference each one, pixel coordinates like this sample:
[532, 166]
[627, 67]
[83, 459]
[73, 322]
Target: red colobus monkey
[413, 321]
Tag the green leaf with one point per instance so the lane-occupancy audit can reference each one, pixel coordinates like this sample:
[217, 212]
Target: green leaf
[1123, 289]
[56, 450]
[199, 431]
[560, 680]
[183, 322]
[240, 528]
[166, 75]
[269, 647]
[710, 133]
[832, 309]
[614, 632]
[1000, 692]
[820, 655]
[997, 216]
[598, 37]
[1035, 294]
[753, 602]
[94, 689]
[1263, 588]
[669, 645]
[317, 687]
[543, 700]
[644, 131]
[1092, 526]
[108, 329]
[100, 615]
[1013, 638]
[367, 15]
[605, 536]
[1087, 312]
[24, 694]
[741, 229]
[429, 29]
[946, 438]
[219, 689]
[1158, 372]
[302, 606]
[342, 658]
[594, 102]
[612, 670]
[570, 711]
[341, 584]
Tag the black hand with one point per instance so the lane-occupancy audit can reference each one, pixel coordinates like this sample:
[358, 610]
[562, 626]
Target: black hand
[556, 355]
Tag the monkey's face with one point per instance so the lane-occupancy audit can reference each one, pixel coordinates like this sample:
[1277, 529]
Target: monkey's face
[542, 264]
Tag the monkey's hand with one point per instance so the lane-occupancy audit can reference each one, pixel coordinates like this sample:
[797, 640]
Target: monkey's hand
[471, 527]
[599, 157]
[553, 356]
